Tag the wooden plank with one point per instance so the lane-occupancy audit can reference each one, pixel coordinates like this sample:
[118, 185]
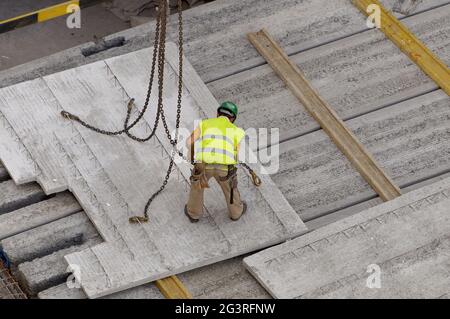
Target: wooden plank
[327, 118]
[407, 238]
[410, 45]
[41, 213]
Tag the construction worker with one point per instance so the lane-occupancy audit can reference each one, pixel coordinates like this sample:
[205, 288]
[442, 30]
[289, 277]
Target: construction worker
[214, 145]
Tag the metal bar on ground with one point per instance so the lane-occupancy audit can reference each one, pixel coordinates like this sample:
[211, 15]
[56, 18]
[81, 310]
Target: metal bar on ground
[402, 37]
[44, 14]
[330, 122]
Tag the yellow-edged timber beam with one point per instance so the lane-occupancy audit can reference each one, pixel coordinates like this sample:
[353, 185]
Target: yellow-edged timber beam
[330, 122]
[173, 288]
[401, 36]
[44, 14]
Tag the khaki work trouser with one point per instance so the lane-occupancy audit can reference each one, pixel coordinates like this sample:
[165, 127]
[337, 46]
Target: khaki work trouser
[201, 175]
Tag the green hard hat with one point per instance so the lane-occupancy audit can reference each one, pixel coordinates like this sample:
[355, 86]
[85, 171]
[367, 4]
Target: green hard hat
[228, 108]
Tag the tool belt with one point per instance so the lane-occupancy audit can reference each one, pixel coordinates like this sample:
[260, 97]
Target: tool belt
[232, 179]
[198, 176]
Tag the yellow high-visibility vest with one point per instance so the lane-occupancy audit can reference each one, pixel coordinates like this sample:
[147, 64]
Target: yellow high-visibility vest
[218, 142]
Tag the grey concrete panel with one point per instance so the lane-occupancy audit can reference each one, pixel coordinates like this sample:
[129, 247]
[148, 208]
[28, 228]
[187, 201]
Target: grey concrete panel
[215, 34]
[3, 173]
[355, 75]
[225, 280]
[410, 140]
[405, 241]
[13, 197]
[48, 271]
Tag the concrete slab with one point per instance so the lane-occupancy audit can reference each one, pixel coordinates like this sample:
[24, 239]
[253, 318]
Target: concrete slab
[27, 43]
[405, 240]
[23, 169]
[63, 292]
[355, 209]
[225, 280]
[404, 8]
[41, 213]
[48, 271]
[70, 60]
[410, 140]
[355, 75]
[8, 9]
[105, 174]
[297, 25]
[44, 240]
[13, 197]
[3, 173]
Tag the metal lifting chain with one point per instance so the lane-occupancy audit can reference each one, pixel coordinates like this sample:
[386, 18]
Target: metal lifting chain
[159, 50]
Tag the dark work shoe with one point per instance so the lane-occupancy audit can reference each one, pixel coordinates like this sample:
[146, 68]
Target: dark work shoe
[244, 210]
[193, 220]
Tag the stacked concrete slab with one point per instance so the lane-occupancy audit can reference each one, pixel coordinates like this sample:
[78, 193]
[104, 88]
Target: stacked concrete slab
[399, 249]
[361, 74]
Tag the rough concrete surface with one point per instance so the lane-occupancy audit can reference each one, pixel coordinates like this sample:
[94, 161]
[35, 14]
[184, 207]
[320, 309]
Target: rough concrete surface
[411, 142]
[42, 39]
[10, 9]
[41, 241]
[299, 25]
[355, 75]
[319, 63]
[354, 209]
[226, 280]
[406, 241]
[13, 197]
[63, 292]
